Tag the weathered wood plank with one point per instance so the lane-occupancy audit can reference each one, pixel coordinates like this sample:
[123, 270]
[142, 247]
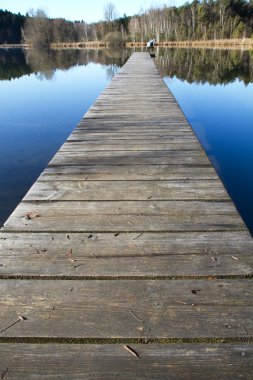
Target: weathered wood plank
[139, 126]
[103, 362]
[131, 254]
[128, 172]
[133, 146]
[101, 308]
[125, 190]
[119, 216]
[183, 157]
[124, 127]
[120, 136]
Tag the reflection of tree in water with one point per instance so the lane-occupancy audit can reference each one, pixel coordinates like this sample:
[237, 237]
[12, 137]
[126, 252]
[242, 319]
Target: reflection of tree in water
[111, 70]
[13, 64]
[47, 75]
[194, 65]
[206, 65]
[45, 62]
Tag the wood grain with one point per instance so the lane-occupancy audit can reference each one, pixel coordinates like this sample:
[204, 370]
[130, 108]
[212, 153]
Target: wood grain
[143, 216]
[127, 254]
[83, 146]
[128, 173]
[103, 362]
[184, 157]
[101, 308]
[123, 190]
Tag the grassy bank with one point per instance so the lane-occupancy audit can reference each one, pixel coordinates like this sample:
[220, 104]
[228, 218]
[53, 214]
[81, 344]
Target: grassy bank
[245, 43]
[14, 46]
[79, 45]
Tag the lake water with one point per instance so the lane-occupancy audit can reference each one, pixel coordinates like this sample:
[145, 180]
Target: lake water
[45, 94]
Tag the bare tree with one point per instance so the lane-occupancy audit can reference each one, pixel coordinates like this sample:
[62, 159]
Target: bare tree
[110, 13]
[37, 29]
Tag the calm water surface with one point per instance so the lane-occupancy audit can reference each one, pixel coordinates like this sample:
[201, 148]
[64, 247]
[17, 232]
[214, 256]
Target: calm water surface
[44, 95]
[215, 90]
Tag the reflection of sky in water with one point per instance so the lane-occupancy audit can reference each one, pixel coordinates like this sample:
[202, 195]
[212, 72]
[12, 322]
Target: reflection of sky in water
[35, 119]
[222, 117]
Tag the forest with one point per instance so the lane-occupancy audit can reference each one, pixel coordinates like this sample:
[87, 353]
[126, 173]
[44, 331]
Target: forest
[11, 26]
[198, 20]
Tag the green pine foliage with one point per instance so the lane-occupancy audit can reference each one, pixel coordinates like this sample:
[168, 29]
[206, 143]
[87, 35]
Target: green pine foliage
[10, 27]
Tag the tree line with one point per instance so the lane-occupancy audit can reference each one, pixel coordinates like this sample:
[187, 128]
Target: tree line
[11, 26]
[198, 20]
[38, 30]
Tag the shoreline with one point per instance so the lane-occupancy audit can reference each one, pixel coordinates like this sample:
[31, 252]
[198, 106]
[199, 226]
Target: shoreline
[246, 43]
[14, 46]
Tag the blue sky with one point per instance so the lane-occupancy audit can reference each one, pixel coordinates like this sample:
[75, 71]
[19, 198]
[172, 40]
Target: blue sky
[87, 10]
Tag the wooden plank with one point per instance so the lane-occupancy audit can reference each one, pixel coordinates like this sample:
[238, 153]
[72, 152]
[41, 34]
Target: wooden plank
[131, 254]
[177, 117]
[184, 157]
[138, 126]
[122, 145]
[101, 362]
[142, 137]
[108, 308]
[139, 123]
[123, 131]
[125, 190]
[174, 117]
[124, 127]
[128, 172]
[119, 216]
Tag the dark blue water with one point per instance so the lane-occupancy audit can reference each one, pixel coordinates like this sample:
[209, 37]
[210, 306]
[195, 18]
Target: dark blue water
[36, 116]
[44, 96]
[222, 117]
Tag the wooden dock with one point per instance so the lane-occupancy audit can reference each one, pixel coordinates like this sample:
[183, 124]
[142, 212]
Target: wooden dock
[127, 259]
